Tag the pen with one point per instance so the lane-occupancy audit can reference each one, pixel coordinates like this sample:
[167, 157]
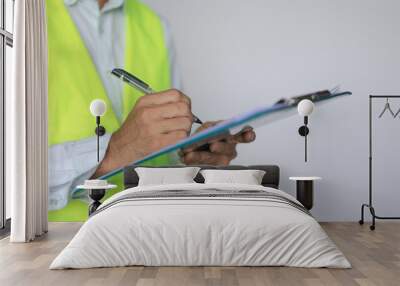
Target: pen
[140, 85]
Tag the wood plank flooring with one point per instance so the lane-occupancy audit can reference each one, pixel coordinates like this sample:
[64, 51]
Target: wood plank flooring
[375, 257]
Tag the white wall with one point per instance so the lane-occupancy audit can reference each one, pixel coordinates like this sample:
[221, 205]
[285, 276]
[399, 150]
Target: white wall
[236, 55]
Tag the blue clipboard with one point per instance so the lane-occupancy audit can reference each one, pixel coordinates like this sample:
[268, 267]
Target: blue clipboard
[258, 116]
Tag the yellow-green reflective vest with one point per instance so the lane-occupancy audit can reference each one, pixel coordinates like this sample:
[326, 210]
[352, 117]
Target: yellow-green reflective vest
[74, 81]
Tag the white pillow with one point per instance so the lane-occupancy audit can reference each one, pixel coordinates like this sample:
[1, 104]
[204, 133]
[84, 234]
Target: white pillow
[247, 177]
[166, 176]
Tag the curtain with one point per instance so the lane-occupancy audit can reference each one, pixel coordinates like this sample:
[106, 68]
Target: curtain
[26, 120]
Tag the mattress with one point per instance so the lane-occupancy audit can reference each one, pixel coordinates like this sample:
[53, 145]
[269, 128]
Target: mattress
[201, 225]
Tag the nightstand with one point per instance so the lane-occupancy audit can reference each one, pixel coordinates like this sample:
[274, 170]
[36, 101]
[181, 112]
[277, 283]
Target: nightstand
[305, 190]
[96, 195]
[96, 191]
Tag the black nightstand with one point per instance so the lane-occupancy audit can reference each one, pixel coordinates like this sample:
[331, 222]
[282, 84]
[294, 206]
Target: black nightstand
[96, 195]
[305, 190]
[96, 191]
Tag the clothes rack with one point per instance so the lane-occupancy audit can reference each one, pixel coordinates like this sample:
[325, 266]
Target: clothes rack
[370, 201]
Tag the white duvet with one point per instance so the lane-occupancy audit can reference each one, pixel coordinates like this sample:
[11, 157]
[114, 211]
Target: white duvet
[200, 231]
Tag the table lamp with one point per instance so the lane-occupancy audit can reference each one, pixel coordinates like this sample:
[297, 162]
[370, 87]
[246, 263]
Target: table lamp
[305, 108]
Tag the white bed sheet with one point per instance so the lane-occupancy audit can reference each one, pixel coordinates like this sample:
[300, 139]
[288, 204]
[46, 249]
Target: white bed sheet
[200, 232]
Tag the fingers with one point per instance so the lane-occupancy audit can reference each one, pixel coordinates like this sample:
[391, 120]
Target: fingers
[219, 138]
[220, 153]
[207, 158]
[156, 120]
[213, 139]
[175, 124]
[169, 110]
[206, 125]
[172, 137]
[223, 148]
[245, 137]
[159, 98]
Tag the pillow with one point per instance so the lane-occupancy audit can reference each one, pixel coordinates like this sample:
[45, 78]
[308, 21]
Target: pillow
[166, 176]
[247, 177]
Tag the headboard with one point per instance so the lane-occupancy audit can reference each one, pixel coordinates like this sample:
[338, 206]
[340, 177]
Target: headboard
[270, 179]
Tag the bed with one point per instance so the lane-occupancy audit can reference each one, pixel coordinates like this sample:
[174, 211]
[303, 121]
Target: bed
[198, 224]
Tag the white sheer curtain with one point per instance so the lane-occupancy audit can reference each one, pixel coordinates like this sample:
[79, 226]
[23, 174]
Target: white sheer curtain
[26, 118]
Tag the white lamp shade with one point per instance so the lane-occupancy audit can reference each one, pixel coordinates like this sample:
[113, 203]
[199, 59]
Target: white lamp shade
[98, 107]
[305, 107]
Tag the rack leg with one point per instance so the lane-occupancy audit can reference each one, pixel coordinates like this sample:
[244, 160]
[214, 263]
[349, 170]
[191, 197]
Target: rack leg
[372, 210]
[374, 216]
[361, 221]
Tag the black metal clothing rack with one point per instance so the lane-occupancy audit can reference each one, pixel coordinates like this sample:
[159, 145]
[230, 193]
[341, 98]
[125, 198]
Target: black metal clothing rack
[370, 203]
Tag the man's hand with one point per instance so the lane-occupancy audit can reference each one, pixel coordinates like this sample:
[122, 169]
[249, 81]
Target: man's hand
[157, 120]
[222, 149]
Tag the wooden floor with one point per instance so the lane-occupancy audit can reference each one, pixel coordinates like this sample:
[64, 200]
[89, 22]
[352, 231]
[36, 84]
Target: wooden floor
[375, 257]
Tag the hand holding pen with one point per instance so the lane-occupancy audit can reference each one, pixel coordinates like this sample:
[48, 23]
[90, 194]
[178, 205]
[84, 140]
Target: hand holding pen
[156, 121]
[140, 85]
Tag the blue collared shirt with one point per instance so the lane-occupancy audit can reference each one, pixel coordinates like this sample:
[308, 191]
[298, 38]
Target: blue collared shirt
[103, 34]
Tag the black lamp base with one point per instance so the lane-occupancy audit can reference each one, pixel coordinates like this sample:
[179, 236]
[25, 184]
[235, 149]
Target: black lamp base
[100, 131]
[96, 195]
[304, 131]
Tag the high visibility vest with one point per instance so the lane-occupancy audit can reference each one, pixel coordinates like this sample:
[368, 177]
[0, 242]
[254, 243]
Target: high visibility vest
[73, 81]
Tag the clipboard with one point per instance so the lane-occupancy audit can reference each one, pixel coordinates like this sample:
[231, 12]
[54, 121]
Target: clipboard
[254, 118]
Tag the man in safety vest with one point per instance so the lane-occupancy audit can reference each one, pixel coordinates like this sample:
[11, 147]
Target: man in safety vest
[87, 39]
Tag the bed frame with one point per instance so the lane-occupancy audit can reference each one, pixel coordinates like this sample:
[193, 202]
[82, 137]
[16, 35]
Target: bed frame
[270, 179]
